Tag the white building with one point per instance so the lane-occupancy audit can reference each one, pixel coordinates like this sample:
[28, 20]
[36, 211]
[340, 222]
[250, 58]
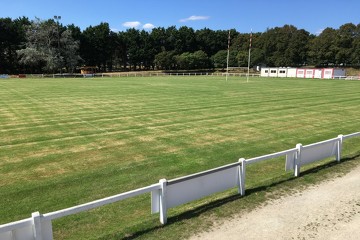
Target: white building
[333, 72]
[303, 72]
[291, 72]
[278, 72]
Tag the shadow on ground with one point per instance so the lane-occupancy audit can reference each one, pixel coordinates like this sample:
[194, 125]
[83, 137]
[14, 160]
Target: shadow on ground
[217, 203]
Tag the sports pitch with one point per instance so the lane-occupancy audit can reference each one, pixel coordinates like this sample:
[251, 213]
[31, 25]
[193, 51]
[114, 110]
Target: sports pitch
[70, 141]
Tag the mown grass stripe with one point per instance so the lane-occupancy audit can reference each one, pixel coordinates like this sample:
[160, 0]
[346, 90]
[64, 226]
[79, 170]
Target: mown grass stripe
[68, 141]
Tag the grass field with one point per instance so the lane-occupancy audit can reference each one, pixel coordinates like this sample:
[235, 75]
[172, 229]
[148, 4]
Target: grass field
[69, 141]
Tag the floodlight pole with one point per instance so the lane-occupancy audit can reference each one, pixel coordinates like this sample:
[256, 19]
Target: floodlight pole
[249, 59]
[57, 18]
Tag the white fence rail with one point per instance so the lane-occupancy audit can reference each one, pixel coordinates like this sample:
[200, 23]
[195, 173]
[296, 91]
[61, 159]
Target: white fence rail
[349, 77]
[357, 134]
[186, 189]
[138, 74]
[167, 194]
[22, 229]
[317, 151]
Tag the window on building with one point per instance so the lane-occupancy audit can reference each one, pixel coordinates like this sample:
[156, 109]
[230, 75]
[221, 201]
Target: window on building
[266, 71]
[282, 71]
[273, 71]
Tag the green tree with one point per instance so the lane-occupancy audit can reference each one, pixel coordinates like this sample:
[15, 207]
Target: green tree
[171, 38]
[49, 47]
[322, 49]
[211, 41]
[220, 59]
[282, 46]
[242, 58]
[346, 35]
[134, 47]
[149, 50]
[32, 59]
[185, 61]
[355, 53]
[117, 54]
[12, 37]
[296, 52]
[42, 46]
[165, 60]
[95, 46]
[159, 38]
[201, 59]
[241, 44]
[69, 51]
[185, 40]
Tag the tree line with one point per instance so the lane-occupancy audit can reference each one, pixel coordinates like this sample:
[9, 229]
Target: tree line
[37, 46]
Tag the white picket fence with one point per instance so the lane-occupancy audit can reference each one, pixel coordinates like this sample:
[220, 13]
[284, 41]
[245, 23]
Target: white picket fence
[167, 194]
[139, 74]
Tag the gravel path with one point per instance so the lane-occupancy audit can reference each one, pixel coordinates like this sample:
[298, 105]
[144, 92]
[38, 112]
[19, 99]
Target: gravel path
[330, 210]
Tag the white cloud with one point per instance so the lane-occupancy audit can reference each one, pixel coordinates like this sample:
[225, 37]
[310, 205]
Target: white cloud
[194, 18]
[148, 26]
[131, 24]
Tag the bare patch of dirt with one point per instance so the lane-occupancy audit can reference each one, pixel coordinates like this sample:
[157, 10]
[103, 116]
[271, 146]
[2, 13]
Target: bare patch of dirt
[330, 210]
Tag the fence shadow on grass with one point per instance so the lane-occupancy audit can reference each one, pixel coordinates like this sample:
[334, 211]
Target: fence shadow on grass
[220, 202]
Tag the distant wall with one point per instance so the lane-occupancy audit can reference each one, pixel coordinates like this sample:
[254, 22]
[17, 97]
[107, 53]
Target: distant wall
[321, 73]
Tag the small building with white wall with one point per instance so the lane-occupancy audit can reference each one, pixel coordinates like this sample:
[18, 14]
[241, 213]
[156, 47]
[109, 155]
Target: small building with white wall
[333, 72]
[300, 73]
[321, 73]
[318, 73]
[291, 72]
[278, 72]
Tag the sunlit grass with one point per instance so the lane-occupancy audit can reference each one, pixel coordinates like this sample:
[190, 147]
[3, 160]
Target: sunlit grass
[69, 141]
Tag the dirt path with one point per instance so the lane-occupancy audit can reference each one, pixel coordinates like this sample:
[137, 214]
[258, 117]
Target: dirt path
[330, 210]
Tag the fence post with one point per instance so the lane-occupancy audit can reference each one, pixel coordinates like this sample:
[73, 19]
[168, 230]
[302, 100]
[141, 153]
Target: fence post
[298, 159]
[242, 169]
[36, 222]
[163, 208]
[339, 148]
[238, 176]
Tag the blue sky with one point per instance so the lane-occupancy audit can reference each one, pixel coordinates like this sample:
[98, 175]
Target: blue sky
[257, 15]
